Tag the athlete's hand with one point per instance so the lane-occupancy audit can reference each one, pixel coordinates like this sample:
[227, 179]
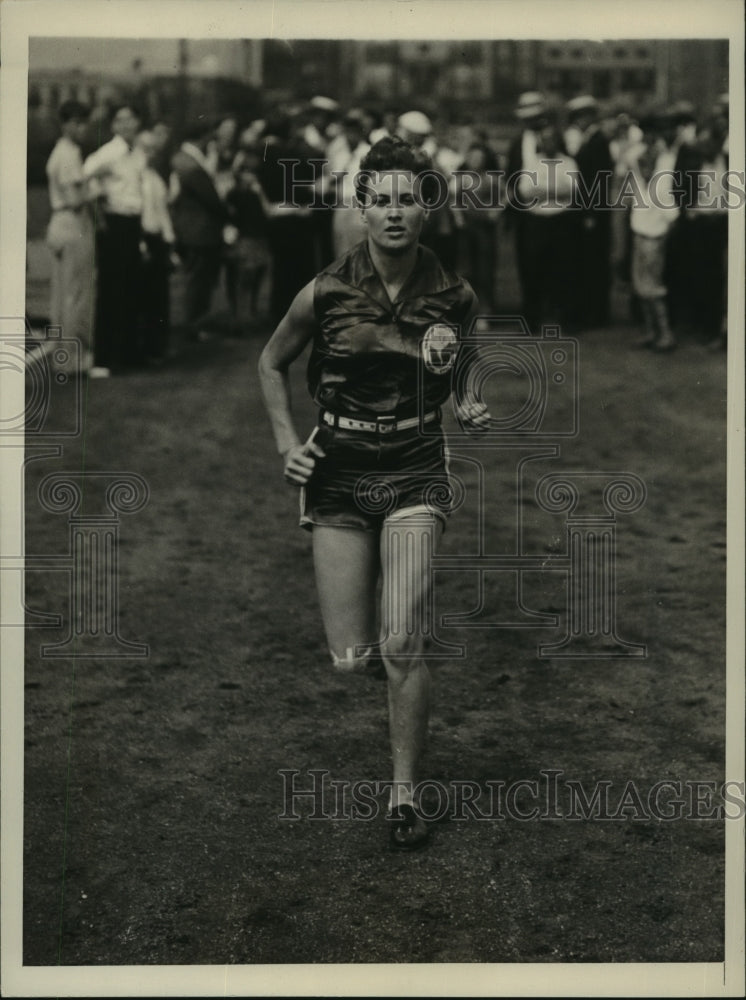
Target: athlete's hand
[473, 416]
[300, 461]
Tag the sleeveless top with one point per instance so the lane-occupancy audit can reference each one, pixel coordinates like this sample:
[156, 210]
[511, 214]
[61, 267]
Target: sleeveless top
[371, 356]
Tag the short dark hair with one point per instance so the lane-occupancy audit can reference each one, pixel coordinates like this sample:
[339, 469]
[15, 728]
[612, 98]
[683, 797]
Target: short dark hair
[121, 106]
[73, 110]
[392, 153]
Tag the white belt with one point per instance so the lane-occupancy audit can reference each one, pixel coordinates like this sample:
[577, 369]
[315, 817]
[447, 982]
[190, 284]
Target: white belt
[381, 425]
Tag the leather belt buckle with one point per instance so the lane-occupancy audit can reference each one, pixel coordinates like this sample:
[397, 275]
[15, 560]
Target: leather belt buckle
[385, 425]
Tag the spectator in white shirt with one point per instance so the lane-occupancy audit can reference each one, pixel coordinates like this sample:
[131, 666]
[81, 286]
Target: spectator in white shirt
[71, 236]
[115, 173]
[550, 231]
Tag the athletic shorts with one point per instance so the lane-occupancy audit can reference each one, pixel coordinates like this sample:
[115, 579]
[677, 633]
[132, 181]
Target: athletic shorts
[368, 476]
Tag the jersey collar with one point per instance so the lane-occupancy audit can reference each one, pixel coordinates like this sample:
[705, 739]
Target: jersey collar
[428, 276]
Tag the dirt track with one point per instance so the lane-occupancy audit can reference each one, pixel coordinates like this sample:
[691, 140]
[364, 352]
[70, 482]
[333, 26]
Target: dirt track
[153, 790]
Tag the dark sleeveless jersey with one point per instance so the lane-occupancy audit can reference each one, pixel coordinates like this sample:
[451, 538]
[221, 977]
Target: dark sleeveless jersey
[372, 356]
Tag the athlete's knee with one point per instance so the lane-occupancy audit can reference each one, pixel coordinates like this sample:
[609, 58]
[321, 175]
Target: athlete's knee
[356, 660]
[402, 652]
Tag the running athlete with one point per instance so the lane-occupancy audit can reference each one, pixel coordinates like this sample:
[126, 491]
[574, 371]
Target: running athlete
[384, 321]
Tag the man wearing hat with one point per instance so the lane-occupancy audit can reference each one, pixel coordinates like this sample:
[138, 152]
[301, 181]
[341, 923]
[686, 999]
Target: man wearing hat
[321, 122]
[590, 147]
[416, 128]
[532, 112]
[439, 232]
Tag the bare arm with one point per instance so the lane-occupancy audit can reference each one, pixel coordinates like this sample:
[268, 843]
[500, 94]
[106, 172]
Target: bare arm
[287, 342]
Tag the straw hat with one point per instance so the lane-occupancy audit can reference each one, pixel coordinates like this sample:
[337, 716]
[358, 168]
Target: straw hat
[530, 105]
[415, 122]
[580, 104]
[323, 104]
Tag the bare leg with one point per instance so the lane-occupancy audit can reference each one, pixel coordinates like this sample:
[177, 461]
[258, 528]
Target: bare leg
[346, 561]
[406, 545]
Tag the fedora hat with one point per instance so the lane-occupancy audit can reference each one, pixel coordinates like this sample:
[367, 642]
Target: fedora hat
[580, 104]
[532, 104]
[681, 112]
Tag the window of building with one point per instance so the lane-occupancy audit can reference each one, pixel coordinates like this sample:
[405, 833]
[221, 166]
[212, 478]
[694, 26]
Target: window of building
[572, 81]
[381, 52]
[638, 78]
[601, 86]
[470, 53]
[280, 69]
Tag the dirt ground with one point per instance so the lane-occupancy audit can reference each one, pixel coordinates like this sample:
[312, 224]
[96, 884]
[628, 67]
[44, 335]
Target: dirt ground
[153, 785]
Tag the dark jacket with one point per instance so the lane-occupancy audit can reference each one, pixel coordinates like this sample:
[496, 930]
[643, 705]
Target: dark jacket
[515, 163]
[596, 166]
[198, 213]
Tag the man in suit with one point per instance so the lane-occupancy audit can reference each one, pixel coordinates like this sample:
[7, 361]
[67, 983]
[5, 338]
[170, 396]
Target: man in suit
[596, 169]
[199, 217]
[697, 265]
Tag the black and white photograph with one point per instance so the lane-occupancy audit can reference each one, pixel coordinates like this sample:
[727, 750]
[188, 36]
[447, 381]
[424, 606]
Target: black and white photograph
[371, 552]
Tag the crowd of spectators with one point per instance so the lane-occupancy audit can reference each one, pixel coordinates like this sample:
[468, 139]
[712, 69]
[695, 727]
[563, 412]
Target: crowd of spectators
[589, 198]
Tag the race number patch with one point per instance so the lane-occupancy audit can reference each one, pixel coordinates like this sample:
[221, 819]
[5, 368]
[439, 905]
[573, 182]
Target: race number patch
[439, 348]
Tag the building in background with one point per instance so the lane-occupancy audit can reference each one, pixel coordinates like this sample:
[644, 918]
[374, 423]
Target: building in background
[451, 80]
[474, 73]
